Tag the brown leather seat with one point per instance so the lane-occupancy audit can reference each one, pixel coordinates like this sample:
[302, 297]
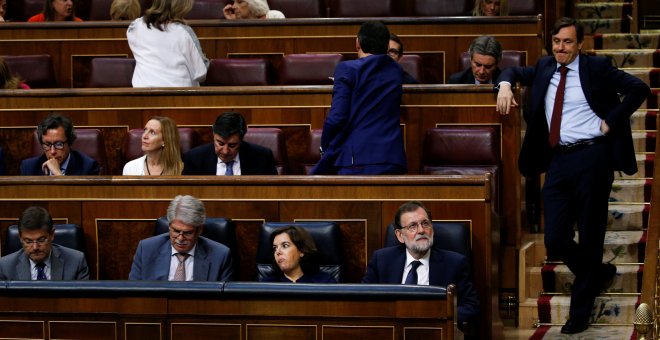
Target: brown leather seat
[441, 8]
[23, 10]
[525, 7]
[412, 63]
[188, 139]
[308, 69]
[238, 72]
[300, 8]
[272, 138]
[509, 59]
[361, 8]
[111, 72]
[463, 150]
[206, 9]
[99, 9]
[313, 153]
[88, 141]
[36, 70]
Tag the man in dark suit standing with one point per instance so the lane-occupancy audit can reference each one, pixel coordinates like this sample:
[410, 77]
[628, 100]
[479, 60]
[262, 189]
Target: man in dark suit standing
[182, 254]
[229, 154]
[578, 133]
[416, 261]
[40, 259]
[362, 133]
[485, 55]
[56, 135]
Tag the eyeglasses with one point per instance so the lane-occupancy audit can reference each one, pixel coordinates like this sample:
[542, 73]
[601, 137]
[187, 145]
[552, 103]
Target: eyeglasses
[58, 145]
[393, 51]
[412, 227]
[40, 241]
[185, 234]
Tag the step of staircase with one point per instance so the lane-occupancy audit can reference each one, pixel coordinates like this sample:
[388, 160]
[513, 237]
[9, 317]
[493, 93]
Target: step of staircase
[603, 10]
[601, 332]
[592, 26]
[557, 278]
[608, 309]
[632, 58]
[628, 216]
[644, 165]
[631, 191]
[644, 120]
[644, 141]
[650, 76]
[610, 41]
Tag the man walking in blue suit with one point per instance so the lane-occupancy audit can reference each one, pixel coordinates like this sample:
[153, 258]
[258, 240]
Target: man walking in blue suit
[362, 134]
[578, 133]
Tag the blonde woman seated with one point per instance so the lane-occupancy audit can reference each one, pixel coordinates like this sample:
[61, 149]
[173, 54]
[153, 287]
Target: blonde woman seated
[160, 144]
[250, 9]
[9, 81]
[294, 254]
[125, 10]
[490, 8]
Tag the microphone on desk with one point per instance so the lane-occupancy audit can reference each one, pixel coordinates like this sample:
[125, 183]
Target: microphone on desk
[643, 320]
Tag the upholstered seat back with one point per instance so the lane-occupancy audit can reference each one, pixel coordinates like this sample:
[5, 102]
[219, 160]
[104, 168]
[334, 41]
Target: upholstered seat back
[111, 72]
[300, 8]
[206, 9]
[412, 63]
[88, 141]
[326, 235]
[35, 70]
[454, 236]
[313, 153]
[353, 8]
[67, 235]
[272, 138]
[441, 8]
[218, 229]
[238, 72]
[188, 139]
[308, 69]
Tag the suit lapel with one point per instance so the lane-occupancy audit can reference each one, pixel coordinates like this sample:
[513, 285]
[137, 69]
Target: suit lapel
[201, 266]
[23, 268]
[584, 78]
[57, 265]
[435, 267]
[162, 261]
[398, 263]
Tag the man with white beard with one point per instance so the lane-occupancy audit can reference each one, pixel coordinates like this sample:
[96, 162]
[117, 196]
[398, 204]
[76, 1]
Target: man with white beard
[416, 261]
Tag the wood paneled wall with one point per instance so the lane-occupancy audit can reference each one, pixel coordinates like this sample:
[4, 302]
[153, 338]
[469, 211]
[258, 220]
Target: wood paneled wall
[440, 39]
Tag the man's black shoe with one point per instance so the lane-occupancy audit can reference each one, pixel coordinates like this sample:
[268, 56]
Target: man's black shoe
[574, 327]
[608, 272]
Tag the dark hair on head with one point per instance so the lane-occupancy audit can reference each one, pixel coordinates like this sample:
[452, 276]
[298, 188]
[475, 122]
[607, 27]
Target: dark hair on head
[409, 207]
[35, 218]
[230, 123]
[54, 121]
[305, 244]
[49, 12]
[396, 39]
[374, 37]
[486, 45]
[567, 22]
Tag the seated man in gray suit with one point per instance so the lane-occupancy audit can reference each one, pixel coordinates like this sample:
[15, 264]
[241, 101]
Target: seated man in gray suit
[40, 258]
[182, 254]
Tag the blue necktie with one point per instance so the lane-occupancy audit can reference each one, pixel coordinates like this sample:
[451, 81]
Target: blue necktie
[411, 279]
[41, 274]
[230, 168]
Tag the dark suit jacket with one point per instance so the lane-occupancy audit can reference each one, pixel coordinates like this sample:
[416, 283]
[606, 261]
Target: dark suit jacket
[153, 255]
[255, 160]
[446, 267]
[467, 77]
[601, 83]
[79, 165]
[362, 127]
[66, 264]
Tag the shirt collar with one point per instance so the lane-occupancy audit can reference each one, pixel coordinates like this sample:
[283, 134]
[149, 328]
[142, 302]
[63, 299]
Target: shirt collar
[424, 259]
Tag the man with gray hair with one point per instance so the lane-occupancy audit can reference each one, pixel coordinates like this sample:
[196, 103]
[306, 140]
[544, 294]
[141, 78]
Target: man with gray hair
[182, 254]
[485, 55]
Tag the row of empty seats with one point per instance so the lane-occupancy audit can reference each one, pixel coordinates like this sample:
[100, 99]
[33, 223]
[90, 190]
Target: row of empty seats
[212, 9]
[293, 69]
[454, 236]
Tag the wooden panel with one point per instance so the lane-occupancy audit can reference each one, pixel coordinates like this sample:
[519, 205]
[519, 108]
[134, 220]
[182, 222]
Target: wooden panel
[442, 39]
[139, 331]
[83, 330]
[257, 332]
[422, 333]
[203, 331]
[22, 329]
[358, 332]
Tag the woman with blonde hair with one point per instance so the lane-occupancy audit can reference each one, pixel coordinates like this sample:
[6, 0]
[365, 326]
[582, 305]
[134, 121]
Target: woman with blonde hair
[162, 153]
[8, 80]
[125, 10]
[490, 8]
[166, 50]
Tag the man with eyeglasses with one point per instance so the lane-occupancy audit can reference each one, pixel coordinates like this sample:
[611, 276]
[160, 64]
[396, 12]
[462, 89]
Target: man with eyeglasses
[182, 254]
[485, 55]
[395, 50]
[56, 135]
[40, 258]
[416, 261]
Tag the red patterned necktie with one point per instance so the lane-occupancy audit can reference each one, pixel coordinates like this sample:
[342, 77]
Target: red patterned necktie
[555, 121]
